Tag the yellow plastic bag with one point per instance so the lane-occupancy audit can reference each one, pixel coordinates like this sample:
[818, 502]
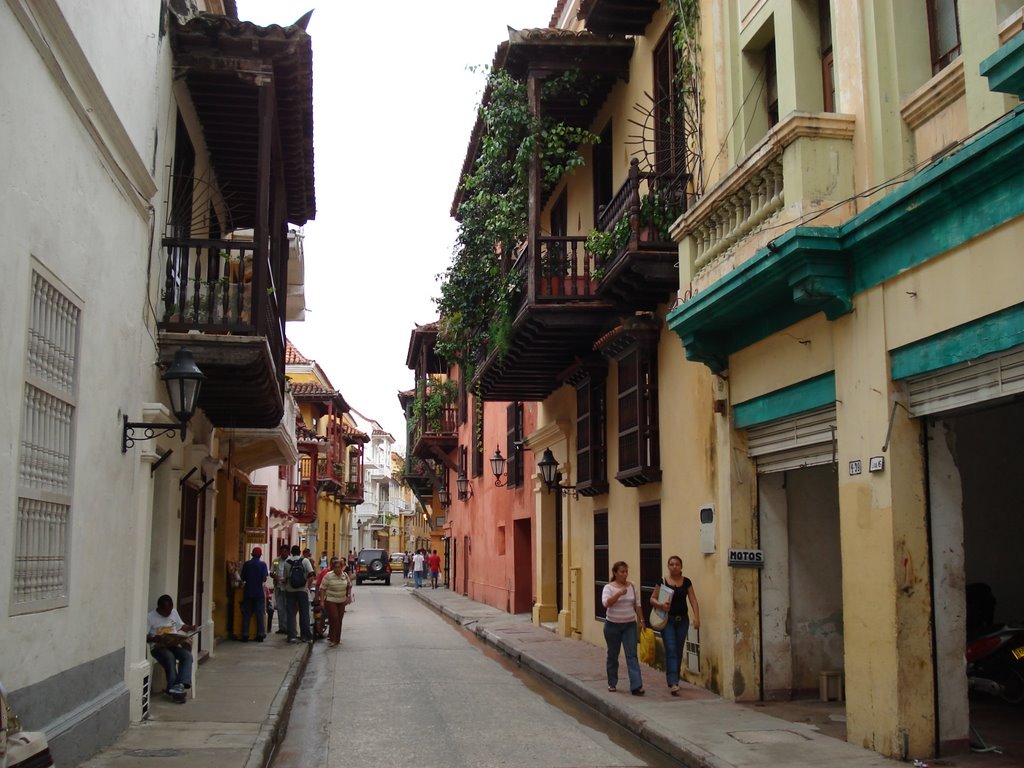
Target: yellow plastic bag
[646, 652]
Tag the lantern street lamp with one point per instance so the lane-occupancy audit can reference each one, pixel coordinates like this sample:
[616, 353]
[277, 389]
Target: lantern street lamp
[548, 467]
[444, 497]
[183, 380]
[498, 467]
[462, 485]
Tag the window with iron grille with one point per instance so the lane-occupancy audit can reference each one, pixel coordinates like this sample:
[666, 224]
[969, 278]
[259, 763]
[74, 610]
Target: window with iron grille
[513, 444]
[45, 461]
[943, 32]
[650, 553]
[602, 568]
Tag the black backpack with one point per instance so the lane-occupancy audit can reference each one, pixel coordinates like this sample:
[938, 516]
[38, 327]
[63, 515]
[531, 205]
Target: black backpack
[296, 574]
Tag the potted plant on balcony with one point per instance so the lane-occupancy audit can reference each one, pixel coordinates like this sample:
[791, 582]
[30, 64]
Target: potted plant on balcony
[431, 405]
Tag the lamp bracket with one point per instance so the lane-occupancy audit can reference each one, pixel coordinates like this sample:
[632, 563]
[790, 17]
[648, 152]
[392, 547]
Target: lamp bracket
[150, 430]
[156, 464]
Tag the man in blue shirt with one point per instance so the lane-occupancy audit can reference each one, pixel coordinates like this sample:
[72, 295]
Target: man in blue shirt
[254, 575]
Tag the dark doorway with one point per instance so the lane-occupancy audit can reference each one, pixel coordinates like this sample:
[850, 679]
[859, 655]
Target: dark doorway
[522, 552]
[190, 556]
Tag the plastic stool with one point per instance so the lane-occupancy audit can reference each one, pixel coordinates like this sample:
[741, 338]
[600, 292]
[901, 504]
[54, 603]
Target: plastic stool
[826, 678]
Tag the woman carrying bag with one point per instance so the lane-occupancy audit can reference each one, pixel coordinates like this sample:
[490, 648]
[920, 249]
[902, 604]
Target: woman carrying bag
[336, 592]
[678, 624]
[622, 617]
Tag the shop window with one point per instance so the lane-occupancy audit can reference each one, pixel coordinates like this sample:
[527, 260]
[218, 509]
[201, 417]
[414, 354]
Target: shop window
[943, 32]
[650, 553]
[602, 568]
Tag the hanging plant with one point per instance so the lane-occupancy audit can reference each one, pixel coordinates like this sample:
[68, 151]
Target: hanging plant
[478, 299]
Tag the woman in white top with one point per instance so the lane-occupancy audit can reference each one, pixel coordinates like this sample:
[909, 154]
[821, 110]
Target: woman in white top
[336, 593]
[622, 617]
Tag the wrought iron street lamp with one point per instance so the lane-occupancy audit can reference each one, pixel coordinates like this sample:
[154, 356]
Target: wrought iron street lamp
[183, 380]
[498, 467]
[462, 485]
[548, 467]
[444, 496]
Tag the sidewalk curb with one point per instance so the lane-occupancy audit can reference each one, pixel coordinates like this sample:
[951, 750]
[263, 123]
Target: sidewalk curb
[690, 755]
[272, 729]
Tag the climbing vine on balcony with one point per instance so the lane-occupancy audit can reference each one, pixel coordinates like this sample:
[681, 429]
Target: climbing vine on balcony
[478, 298]
[686, 41]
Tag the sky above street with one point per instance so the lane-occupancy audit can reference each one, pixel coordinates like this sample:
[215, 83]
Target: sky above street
[394, 101]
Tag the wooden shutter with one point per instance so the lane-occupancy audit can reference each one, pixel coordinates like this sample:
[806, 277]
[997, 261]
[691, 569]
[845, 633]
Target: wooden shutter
[591, 448]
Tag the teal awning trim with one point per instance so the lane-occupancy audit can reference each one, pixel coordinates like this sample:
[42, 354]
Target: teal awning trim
[789, 401]
[997, 332]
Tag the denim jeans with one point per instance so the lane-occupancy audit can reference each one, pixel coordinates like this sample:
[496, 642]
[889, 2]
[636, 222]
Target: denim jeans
[251, 605]
[674, 637]
[168, 658]
[298, 599]
[418, 577]
[282, 608]
[622, 636]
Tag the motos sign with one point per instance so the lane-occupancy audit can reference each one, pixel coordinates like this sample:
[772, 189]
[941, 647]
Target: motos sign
[746, 558]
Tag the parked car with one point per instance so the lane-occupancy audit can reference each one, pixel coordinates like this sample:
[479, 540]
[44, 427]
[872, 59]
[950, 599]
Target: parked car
[373, 564]
[397, 560]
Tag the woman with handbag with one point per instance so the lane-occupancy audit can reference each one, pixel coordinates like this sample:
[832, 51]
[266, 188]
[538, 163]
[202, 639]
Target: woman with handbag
[622, 617]
[678, 620]
[336, 592]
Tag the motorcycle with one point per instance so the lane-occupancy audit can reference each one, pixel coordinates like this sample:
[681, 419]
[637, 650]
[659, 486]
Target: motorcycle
[995, 663]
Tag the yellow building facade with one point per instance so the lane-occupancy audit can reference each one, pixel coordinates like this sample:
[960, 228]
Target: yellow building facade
[816, 410]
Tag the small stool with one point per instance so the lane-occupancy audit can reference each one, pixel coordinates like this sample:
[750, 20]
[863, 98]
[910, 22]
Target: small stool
[826, 678]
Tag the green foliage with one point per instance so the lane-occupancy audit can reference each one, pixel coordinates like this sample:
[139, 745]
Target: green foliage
[478, 299]
[432, 400]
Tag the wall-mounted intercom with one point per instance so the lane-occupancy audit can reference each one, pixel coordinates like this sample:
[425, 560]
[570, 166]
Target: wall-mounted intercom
[707, 530]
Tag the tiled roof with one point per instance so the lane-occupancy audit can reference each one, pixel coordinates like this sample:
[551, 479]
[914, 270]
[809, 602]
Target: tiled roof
[311, 389]
[292, 356]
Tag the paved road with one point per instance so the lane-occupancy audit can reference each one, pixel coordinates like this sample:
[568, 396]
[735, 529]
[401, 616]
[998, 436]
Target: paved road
[406, 687]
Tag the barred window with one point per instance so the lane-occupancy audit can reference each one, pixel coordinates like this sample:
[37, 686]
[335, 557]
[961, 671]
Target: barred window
[45, 451]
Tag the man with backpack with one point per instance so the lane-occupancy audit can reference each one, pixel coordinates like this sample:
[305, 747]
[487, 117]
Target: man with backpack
[298, 573]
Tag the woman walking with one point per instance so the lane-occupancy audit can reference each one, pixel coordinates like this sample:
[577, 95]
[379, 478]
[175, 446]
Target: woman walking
[674, 633]
[622, 617]
[336, 592]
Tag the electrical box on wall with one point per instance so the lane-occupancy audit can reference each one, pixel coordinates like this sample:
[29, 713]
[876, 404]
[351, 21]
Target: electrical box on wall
[707, 530]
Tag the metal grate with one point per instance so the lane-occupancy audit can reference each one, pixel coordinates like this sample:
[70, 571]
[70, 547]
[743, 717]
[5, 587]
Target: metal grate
[45, 457]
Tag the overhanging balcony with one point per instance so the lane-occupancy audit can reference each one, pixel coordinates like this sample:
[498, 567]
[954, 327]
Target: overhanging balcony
[557, 316]
[617, 17]
[641, 269]
[435, 435]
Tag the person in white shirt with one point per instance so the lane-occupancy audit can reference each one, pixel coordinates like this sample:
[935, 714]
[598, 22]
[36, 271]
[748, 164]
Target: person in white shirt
[622, 617]
[417, 568]
[170, 646]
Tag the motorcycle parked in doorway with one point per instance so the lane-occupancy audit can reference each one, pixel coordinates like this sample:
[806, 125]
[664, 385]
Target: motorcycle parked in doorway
[995, 663]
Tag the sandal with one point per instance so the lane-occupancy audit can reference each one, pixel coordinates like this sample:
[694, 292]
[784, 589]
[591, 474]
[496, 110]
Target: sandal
[611, 689]
[674, 690]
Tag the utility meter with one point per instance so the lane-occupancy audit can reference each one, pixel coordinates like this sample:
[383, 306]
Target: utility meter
[707, 530]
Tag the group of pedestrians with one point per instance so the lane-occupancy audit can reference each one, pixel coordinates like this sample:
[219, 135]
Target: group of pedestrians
[419, 562]
[294, 576]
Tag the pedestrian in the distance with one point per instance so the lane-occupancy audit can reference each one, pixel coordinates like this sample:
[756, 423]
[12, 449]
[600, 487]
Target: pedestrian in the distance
[337, 593]
[434, 561]
[674, 633]
[417, 568]
[406, 559]
[623, 616]
[279, 593]
[254, 574]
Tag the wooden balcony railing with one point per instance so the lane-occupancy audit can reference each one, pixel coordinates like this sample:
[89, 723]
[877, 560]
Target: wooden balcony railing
[563, 271]
[219, 286]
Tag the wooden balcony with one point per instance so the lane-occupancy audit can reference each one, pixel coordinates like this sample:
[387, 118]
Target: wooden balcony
[220, 289]
[618, 17]
[557, 316]
[643, 270]
[434, 437]
[303, 502]
[420, 478]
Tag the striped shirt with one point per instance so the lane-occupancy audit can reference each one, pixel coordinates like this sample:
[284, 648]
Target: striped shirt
[623, 610]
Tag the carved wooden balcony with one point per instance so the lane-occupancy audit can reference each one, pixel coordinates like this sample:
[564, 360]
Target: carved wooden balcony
[557, 314]
[434, 436]
[222, 302]
[642, 271]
